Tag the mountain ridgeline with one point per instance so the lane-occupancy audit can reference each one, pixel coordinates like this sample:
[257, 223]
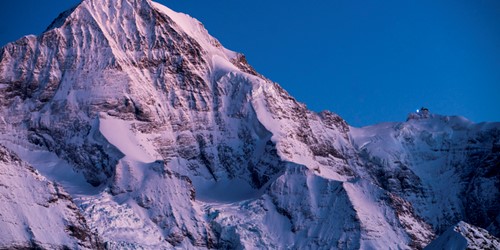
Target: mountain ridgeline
[126, 125]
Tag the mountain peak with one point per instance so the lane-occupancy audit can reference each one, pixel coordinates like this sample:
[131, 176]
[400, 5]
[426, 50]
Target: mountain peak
[138, 26]
[97, 7]
[117, 2]
[165, 139]
[110, 5]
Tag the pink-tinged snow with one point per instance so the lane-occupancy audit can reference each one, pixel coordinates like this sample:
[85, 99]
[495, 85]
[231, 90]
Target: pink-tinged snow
[31, 210]
[375, 217]
[196, 30]
[53, 168]
[307, 202]
[132, 144]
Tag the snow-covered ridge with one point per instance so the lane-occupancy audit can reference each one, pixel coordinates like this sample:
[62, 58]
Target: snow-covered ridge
[163, 138]
[37, 213]
[464, 236]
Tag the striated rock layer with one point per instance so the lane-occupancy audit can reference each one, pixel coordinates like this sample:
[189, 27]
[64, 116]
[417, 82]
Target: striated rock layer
[163, 138]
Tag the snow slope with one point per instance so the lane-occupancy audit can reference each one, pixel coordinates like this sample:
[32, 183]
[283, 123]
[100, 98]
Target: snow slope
[445, 166]
[163, 138]
[464, 236]
[37, 213]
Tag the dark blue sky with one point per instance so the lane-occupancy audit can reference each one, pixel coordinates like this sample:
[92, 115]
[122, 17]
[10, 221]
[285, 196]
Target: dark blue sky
[369, 61]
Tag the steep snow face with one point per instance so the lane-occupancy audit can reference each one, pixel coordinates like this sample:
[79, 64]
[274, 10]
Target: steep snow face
[447, 167]
[164, 138]
[141, 99]
[133, 62]
[465, 236]
[37, 213]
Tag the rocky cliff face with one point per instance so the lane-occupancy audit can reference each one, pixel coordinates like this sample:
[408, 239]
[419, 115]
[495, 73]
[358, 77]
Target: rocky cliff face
[465, 236]
[446, 161]
[163, 138]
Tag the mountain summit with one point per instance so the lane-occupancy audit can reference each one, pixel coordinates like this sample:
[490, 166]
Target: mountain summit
[126, 125]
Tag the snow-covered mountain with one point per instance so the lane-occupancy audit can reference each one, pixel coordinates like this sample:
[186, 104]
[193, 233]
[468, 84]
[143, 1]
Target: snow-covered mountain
[37, 213]
[152, 135]
[464, 236]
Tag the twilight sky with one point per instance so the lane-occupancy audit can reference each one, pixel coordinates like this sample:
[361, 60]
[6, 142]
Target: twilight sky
[369, 61]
